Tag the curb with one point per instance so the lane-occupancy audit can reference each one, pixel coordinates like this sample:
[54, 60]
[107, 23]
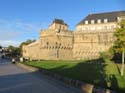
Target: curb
[86, 88]
[30, 68]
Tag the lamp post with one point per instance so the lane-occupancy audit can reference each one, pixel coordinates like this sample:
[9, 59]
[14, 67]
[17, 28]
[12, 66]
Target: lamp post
[123, 62]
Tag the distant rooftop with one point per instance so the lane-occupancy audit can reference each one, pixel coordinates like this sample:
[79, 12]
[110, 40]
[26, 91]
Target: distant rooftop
[59, 21]
[111, 16]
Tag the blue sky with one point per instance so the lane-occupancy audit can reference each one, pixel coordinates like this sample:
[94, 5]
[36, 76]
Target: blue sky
[22, 19]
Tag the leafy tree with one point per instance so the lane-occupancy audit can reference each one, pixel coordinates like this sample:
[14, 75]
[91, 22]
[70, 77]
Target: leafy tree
[119, 45]
[13, 50]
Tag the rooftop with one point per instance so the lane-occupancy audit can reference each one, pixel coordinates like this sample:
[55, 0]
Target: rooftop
[111, 16]
[59, 21]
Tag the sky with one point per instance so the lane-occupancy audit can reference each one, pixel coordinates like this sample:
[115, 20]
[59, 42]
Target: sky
[21, 20]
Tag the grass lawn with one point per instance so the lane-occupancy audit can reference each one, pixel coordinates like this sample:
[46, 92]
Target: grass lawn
[98, 73]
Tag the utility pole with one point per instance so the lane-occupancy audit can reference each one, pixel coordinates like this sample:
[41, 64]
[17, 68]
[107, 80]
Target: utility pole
[123, 62]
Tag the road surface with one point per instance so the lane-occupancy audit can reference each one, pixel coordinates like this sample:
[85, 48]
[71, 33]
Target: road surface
[14, 79]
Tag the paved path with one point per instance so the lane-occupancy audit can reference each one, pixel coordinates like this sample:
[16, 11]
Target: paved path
[17, 80]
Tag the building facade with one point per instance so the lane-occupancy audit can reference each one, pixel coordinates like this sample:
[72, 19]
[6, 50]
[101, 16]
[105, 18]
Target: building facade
[94, 34]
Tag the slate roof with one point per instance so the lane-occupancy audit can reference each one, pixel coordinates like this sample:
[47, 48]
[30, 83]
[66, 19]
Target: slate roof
[59, 21]
[111, 16]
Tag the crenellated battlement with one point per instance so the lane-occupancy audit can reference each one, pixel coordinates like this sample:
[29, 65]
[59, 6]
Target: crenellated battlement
[49, 32]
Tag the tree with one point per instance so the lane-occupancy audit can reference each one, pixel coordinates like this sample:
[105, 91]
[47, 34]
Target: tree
[119, 45]
[15, 51]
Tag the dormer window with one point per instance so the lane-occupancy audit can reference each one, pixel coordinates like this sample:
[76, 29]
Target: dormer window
[86, 22]
[123, 17]
[105, 20]
[92, 21]
[99, 21]
[118, 19]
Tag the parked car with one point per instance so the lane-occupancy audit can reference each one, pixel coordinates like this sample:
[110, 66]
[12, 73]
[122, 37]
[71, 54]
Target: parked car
[13, 61]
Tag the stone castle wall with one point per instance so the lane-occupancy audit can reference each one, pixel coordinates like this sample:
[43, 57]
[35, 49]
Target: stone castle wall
[31, 51]
[69, 46]
[88, 45]
[58, 43]
[56, 46]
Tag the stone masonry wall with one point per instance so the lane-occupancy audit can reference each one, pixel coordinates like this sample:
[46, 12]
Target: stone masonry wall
[56, 46]
[62, 44]
[88, 45]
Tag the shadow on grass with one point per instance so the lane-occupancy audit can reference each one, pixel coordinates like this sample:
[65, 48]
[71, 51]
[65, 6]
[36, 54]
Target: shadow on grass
[97, 72]
[88, 71]
[114, 83]
[92, 71]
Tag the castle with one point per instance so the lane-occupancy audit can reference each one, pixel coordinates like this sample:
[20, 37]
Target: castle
[93, 35]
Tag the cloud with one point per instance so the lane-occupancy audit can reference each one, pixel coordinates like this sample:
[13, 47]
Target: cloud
[18, 25]
[28, 26]
[12, 31]
[5, 34]
[9, 42]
